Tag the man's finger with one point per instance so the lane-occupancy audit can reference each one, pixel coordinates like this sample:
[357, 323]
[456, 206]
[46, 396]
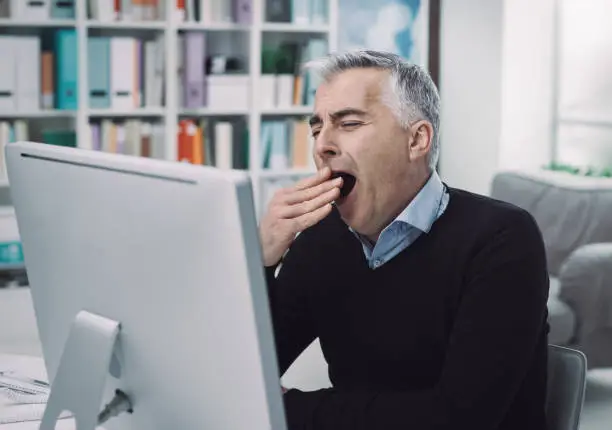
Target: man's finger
[300, 196]
[311, 218]
[297, 210]
[313, 180]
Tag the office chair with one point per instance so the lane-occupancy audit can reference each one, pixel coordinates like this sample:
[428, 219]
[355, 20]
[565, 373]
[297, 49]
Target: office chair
[566, 387]
[565, 391]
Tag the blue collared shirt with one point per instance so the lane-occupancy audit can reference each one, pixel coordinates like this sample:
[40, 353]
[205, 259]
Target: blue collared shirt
[418, 217]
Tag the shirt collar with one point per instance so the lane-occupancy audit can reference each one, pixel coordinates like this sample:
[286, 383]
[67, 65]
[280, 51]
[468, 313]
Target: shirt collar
[423, 209]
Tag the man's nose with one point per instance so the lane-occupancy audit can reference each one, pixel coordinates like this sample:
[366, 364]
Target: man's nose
[326, 147]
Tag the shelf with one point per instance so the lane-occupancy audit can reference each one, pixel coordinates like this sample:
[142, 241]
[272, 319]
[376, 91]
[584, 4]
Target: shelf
[212, 112]
[51, 23]
[285, 173]
[290, 110]
[214, 26]
[128, 113]
[593, 120]
[127, 25]
[287, 27]
[242, 41]
[57, 113]
[5, 267]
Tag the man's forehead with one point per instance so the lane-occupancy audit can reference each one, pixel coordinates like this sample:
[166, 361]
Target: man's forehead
[360, 88]
[363, 80]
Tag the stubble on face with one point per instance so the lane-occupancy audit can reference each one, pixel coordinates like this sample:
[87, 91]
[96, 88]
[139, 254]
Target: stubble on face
[374, 145]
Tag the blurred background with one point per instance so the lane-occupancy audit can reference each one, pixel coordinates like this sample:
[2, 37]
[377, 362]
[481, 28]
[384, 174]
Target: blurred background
[526, 89]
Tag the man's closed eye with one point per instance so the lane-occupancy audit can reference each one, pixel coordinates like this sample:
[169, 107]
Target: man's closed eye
[351, 125]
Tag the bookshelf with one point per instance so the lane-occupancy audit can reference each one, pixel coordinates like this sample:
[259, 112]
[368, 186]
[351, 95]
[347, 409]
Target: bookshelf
[246, 41]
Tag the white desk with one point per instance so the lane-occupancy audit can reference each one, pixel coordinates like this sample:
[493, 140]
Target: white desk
[33, 367]
[308, 372]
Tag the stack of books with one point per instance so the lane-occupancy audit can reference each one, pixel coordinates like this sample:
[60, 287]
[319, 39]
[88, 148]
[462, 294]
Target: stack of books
[220, 143]
[286, 144]
[39, 10]
[130, 137]
[126, 10]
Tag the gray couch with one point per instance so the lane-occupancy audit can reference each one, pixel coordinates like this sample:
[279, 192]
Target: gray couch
[574, 214]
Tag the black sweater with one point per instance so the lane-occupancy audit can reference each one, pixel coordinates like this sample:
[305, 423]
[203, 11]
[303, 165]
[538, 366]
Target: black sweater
[449, 334]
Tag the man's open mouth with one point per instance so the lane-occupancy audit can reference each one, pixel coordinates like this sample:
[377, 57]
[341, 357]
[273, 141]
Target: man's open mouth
[348, 182]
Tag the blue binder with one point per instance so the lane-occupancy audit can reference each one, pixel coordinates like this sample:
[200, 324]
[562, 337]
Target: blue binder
[265, 145]
[98, 72]
[317, 48]
[62, 9]
[67, 69]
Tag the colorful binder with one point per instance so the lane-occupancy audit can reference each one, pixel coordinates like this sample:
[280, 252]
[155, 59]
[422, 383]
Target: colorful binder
[8, 75]
[62, 9]
[194, 47]
[98, 72]
[27, 50]
[67, 69]
[243, 11]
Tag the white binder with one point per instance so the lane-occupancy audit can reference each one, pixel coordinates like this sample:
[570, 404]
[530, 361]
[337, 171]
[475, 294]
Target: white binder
[8, 78]
[102, 10]
[28, 92]
[160, 56]
[267, 91]
[284, 90]
[180, 70]
[123, 68]
[31, 10]
[150, 49]
[206, 11]
[127, 12]
[222, 11]
[224, 145]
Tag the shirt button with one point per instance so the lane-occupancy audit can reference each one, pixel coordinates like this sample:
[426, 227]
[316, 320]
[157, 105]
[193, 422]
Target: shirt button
[377, 263]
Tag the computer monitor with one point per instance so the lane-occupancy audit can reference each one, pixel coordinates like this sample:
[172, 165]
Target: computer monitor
[171, 252]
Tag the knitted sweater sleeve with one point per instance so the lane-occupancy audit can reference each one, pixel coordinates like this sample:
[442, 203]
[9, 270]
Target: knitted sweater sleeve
[498, 326]
[289, 299]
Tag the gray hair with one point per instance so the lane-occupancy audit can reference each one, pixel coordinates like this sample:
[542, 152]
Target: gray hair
[412, 93]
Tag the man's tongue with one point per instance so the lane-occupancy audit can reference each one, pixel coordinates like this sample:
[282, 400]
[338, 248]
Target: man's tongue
[348, 182]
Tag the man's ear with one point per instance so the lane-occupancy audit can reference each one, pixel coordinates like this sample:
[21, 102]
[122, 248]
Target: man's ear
[422, 137]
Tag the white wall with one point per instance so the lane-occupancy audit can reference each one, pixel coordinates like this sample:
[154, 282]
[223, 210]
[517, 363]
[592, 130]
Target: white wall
[585, 82]
[470, 89]
[496, 88]
[527, 86]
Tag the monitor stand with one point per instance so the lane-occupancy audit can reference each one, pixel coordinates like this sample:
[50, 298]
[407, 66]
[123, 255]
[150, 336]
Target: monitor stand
[78, 386]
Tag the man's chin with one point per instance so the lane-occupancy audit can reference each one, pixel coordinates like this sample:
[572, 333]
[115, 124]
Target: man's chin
[349, 216]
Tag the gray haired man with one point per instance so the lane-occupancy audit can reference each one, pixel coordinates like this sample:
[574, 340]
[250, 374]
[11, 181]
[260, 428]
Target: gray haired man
[429, 301]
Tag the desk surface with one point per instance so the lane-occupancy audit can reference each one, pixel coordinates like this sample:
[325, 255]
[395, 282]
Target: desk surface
[24, 364]
[308, 372]
[33, 367]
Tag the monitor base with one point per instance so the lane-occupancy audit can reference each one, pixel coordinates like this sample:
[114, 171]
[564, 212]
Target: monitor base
[78, 386]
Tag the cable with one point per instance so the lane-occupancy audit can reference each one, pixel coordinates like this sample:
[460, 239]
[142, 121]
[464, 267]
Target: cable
[120, 403]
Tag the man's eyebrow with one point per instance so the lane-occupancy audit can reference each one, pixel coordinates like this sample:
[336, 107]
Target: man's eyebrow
[346, 112]
[316, 119]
